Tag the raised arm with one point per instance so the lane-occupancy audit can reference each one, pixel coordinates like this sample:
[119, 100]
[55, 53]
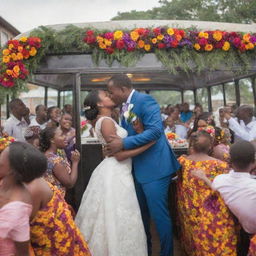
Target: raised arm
[152, 123]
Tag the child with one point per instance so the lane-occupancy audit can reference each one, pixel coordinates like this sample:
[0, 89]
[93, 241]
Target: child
[15, 200]
[237, 188]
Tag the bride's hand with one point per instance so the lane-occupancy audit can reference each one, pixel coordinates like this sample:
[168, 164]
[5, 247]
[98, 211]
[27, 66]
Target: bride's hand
[138, 126]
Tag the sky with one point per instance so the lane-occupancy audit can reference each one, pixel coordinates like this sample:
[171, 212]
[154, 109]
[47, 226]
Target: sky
[28, 14]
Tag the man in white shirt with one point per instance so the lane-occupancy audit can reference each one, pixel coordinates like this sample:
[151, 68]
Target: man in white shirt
[40, 118]
[238, 188]
[244, 126]
[179, 129]
[16, 125]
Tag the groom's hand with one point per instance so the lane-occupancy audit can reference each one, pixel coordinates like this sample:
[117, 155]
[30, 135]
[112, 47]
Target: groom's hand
[115, 145]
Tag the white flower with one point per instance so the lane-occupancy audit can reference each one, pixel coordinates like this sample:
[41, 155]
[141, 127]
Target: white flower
[130, 106]
[126, 114]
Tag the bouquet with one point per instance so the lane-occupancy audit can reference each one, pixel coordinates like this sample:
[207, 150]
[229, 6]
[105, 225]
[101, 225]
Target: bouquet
[171, 136]
[84, 125]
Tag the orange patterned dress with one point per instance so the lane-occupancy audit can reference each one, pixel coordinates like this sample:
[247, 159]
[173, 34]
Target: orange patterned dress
[54, 232]
[252, 249]
[206, 224]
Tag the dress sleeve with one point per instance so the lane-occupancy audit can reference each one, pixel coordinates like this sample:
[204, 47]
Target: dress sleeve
[14, 221]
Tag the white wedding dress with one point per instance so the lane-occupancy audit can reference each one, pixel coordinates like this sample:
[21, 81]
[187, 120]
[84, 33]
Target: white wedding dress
[109, 215]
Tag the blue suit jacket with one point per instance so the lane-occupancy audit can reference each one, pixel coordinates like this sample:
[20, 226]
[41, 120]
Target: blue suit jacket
[158, 161]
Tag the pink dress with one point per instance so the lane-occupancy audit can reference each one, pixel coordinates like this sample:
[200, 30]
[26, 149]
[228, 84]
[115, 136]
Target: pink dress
[14, 226]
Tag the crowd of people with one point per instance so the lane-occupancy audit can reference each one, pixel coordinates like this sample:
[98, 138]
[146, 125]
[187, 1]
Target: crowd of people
[216, 189]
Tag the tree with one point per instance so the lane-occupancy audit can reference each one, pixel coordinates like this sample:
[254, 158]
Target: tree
[237, 11]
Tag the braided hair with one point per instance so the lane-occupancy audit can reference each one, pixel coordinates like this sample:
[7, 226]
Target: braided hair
[45, 138]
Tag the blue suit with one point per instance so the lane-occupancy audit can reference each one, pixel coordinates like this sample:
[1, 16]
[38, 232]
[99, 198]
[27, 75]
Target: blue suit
[152, 169]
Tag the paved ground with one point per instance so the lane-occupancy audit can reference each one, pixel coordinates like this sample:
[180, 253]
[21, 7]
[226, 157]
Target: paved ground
[156, 244]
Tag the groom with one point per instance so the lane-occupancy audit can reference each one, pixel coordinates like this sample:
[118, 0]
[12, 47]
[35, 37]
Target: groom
[153, 168]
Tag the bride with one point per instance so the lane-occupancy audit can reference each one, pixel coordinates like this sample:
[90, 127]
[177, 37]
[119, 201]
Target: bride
[109, 215]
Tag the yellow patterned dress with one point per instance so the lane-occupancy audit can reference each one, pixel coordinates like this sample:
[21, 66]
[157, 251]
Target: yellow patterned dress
[206, 224]
[252, 249]
[53, 230]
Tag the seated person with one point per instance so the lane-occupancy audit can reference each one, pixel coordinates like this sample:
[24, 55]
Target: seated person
[179, 129]
[186, 114]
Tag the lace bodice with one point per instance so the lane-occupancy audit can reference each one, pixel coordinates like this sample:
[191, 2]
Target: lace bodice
[121, 132]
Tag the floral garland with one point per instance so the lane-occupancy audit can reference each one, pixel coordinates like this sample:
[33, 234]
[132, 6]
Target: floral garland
[169, 38]
[5, 141]
[14, 60]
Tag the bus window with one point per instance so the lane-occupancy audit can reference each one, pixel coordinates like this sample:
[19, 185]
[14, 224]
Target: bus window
[165, 98]
[217, 97]
[246, 93]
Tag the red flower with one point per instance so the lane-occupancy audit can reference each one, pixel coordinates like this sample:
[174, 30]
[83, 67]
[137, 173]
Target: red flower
[130, 49]
[237, 42]
[34, 41]
[242, 47]
[90, 39]
[109, 50]
[203, 41]
[109, 35]
[174, 43]
[15, 43]
[161, 45]
[6, 81]
[89, 32]
[120, 44]
[157, 31]
[25, 54]
[219, 44]
[182, 33]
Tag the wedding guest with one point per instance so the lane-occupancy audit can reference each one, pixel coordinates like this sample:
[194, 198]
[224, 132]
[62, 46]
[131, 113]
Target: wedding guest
[70, 133]
[206, 225]
[67, 109]
[179, 129]
[222, 144]
[18, 164]
[41, 117]
[16, 125]
[59, 172]
[186, 113]
[237, 188]
[53, 116]
[198, 110]
[32, 135]
[244, 126]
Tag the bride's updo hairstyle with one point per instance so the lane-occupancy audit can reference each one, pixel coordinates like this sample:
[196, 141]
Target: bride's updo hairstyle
[91, 109]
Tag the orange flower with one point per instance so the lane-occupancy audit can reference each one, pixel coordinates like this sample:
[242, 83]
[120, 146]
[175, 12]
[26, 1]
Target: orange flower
[197, 47]
[217, 35]
[246, 38]
[16, 69]
[9, 72]
[226, 46]
[33, 51]
[107, 42]
[134, 35]
[20, 48]
[249, 46]
[14, 56]
[6, 52]
[203, 35]
[19, 56]
[208, 47]
[141, 44]
[170, 31]
[10, 46]
[154, 40]
[6, 59]
[102, 45]
[147, 47]
[100, 39]
[178, 37]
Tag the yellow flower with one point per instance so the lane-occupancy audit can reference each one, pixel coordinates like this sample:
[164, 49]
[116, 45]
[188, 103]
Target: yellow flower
[147, 47]
[102, 46]
[170, 31]
[10, 46]
[154, 40]
[16, 69]
[9, 72]
[23, 39]
[226, 46]
[203, 35]
[6, 52]
[118, 34]
[217, 35]
[33, 51]
[19, 56]
[160, 37]
[249, 46]
[107, 42]
[141, 44]
[208, 47]
[197, 47]
[246, 38]
[14, 56]
[134, 35]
